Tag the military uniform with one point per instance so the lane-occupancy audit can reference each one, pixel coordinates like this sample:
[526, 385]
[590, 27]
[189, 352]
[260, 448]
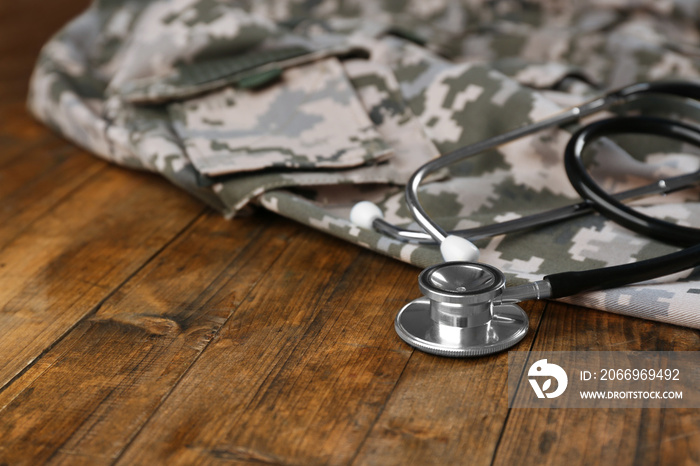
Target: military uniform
[305, 108]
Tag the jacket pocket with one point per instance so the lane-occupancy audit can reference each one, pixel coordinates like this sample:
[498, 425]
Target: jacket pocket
[312, 119]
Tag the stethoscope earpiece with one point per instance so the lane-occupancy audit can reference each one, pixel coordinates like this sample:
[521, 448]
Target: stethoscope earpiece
[455, 248]
[364, 213]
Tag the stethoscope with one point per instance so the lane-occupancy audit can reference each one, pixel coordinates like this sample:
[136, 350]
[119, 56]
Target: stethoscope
[466, 309]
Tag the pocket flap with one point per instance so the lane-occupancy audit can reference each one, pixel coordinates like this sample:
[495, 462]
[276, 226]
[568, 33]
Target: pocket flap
[313, 119]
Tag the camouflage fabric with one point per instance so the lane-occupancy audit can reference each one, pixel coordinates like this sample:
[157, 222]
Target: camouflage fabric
[305, 108]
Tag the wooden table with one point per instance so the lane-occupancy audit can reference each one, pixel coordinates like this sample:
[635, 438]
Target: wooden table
[138, 326]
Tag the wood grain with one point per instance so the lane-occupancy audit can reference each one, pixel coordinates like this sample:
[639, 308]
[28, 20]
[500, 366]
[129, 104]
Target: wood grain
[445, 408]
[604, 435]
[139, 327]
[310, 395]
[61, 266]
[116, 367]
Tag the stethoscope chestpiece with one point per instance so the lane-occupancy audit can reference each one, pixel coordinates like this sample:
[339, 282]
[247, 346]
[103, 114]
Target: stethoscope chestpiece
[461, 314]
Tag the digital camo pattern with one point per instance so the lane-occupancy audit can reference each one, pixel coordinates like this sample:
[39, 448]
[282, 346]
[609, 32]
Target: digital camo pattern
[305, 108]
[311, 120]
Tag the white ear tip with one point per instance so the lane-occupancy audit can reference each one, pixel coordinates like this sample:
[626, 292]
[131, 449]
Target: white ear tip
[456, 248]
[364, 213]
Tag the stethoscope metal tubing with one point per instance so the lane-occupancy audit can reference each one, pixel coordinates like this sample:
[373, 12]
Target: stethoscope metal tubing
[664, 186]
[569, 116]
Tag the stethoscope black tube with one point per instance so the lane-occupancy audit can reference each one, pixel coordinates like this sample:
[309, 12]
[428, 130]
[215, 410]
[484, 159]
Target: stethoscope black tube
[570, 283]
[686, 89]
[606, 204]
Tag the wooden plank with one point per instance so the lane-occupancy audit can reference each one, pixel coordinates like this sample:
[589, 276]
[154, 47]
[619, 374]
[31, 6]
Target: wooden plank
[322, 402]
[24, 27]
[66, 262]
[299, 372]
[35, 183]
[445, 411]
[37, 168]
[20, 133]
[91, 393]
[603, 436]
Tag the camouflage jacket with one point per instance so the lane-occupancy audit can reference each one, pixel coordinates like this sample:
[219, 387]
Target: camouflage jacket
[305, 107]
